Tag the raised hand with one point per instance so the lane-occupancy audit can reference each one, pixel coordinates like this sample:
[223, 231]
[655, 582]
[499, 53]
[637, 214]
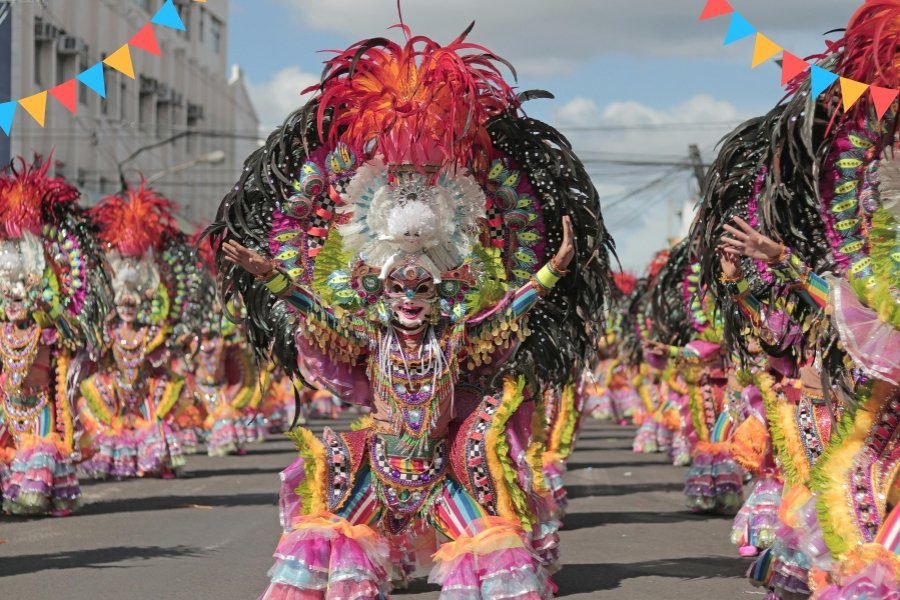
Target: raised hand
[730, 264]
[252, 262]
[566, 251]
[746, 241]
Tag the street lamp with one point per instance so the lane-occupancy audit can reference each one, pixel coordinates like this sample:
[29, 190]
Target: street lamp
[212, 158]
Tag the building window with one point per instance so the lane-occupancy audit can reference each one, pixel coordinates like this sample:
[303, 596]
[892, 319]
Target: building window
[145, 4]
[123, 101]
[202, 23]
[215, 32]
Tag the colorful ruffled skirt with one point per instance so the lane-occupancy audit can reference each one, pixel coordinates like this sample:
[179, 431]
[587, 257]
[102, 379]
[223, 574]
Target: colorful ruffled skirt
[40, 479]
[227, 432]
[323, 556]
[151, 449]
[714, 483]
[757, 521]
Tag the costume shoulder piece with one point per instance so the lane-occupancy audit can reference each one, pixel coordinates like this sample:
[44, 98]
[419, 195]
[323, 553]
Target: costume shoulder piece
[417, 148]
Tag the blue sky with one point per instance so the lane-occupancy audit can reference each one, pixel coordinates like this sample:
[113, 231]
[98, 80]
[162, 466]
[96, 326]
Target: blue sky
[647, 76]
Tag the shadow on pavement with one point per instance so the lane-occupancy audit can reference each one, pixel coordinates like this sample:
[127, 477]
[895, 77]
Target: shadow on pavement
[587, 491]
[586, 520]
[615, 464]
[151, 503]
[98, 558]
[584, 579]
[237, 472]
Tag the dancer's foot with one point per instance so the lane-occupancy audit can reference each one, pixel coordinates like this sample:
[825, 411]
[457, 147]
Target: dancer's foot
[61, 512]
[748, 551]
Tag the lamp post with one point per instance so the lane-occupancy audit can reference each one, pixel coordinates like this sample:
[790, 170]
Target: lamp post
[212, 158]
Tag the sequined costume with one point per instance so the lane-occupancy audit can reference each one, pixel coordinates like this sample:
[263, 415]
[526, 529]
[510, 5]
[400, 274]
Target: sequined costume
[126, 406]
[410, 238]
[55, 296]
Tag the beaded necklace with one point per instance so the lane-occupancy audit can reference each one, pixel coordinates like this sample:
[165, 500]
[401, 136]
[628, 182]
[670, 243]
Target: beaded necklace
[18, 354]
[413, 386]
[130, 357]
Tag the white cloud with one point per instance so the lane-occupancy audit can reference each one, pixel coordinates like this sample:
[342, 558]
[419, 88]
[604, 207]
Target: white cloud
[543, 37]
[640, 203]
[276, 98]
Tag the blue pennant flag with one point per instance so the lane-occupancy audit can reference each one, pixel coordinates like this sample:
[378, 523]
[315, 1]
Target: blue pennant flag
[821, 80]
[738, 29]
[168, 16]
[7, 112]
[93, 78]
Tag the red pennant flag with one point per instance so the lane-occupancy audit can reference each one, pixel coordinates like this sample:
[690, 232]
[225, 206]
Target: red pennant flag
[882, 98]
[791, 66]
[67, 95]
[145, 39]
[715, 8]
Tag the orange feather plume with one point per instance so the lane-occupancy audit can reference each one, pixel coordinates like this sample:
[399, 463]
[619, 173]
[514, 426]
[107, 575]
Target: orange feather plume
[871, 44]
[138, 222]
[416, 103]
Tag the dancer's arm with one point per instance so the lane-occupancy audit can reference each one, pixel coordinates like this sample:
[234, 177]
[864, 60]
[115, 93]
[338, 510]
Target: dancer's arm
[516, 305]
[294, 293]
[787, 267]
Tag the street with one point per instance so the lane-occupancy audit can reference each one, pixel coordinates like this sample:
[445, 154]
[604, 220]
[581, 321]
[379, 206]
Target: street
[211, 533]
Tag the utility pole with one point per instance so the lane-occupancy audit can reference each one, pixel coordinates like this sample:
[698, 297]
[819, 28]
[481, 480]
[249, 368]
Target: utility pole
[697, 164]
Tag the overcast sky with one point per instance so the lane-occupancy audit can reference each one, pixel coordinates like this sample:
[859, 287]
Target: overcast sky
[645, 77]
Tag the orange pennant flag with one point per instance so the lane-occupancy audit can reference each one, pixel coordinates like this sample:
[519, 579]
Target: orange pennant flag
[851, 91]
[120, 60]
[763, 50]
[36, 106]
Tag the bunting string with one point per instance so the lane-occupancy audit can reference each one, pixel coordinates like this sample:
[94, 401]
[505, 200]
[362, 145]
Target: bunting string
[792, 66]
[93, 78]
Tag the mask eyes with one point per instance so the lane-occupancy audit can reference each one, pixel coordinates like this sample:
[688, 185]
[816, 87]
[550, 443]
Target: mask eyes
[397, 288]
[423, 288]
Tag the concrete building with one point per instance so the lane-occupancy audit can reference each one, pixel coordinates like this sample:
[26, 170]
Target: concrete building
[188, 94]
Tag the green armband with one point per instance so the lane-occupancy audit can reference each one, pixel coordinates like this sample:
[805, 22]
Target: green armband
[278, 283]
[546, 277]
[673, 351]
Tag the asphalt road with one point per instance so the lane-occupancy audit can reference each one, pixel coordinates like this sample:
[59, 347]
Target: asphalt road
[211, 534]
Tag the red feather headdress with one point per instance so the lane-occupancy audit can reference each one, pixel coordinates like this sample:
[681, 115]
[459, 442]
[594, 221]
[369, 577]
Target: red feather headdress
[28, 197]
[870, 48]
[417, 103]
[625, 281]
[657, 262]
[136, 223]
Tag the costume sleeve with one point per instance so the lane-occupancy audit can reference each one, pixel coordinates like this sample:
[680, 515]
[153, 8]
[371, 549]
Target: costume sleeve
[346, 337]
[809, 286]
[515, 305]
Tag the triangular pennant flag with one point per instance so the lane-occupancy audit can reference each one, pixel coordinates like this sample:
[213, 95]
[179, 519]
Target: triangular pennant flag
[36, 106]
[763, 50]
[168, 16]
[882, 98]
[791, 66]
[67, 94]
[7, 113]
[738, 29]
[713, 9]
[851, 91]
[120, 60]
[145, 39]
[821, 80]
[93, 78]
